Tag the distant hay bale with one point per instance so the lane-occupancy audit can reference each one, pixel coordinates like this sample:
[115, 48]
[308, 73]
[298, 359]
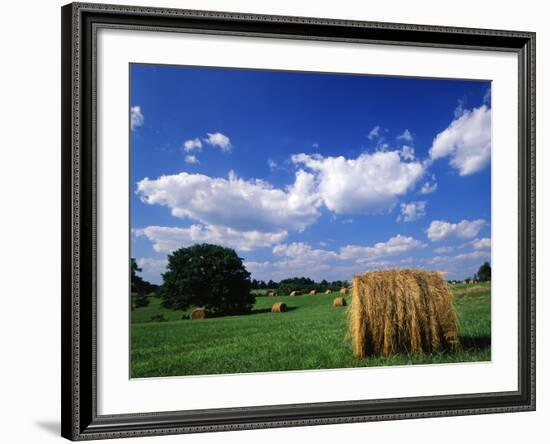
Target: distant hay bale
[329, 291]
[339, 302]
[295, 293]
[279, 307]
[343, 290]
[198, 313]
[272, 293]
[474, 289]
[401, 311]
[312, 292]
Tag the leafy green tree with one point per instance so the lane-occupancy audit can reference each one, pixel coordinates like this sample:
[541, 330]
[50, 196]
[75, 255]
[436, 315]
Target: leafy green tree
[139, 287]
[209, 276]
[484, 272]
[286, 286]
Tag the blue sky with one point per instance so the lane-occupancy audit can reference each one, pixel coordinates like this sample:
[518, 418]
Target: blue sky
[310, 174]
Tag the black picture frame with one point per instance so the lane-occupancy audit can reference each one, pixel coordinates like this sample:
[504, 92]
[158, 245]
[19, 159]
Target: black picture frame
[80, 420]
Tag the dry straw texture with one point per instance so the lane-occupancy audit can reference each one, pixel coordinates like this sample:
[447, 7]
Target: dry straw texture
[401, 311]
[329, 291]
[339, 302]
[295, 293]
[343, 290]
[278, 307]
[198, 313]
[312, 292]
[272, 293]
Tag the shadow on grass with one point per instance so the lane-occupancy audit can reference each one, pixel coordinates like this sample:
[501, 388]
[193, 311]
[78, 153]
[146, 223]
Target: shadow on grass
[252, 312]
[475, 342]
[267, 310]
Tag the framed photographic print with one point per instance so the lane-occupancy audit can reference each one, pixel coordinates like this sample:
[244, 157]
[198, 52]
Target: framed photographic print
[281, 221]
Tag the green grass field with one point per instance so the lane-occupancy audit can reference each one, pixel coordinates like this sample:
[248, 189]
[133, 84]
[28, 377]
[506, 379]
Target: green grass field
[311, 335]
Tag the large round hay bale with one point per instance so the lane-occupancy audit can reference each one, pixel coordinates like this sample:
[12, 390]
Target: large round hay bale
[272, 293]
[312, 292]
[295, 293]
[401, 311]
[329, 291]
[339, 302]
[343, 290]
[279, 307]
[198, 313]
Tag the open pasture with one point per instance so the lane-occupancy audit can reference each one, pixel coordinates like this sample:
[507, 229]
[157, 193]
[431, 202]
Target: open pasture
[311, 334]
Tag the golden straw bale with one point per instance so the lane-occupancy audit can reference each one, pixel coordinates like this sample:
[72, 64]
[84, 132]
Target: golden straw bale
[272, 293]
[401, 311]
[279, 307]
[343, 290]
[198, 313]
[329, 291]
[312, 292]
[339, 302]
[295, 293]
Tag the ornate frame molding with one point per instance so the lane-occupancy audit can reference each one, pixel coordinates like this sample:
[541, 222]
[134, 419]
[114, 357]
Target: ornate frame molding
[80, 22]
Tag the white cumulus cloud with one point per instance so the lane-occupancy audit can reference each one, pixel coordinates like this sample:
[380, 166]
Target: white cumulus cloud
[220, 140]
[151, 265]
[191, 159]
[136, 117]
[407, 152]
[407, 136]
[374, 133]
[396, 245]
[481, 244]
[168, 239]
[444, 250]
[467, 141]
[244, 205]
[369, 184]
[465, 229]
[412, 211]
[299, 249]
[192, 144]
[429, 186]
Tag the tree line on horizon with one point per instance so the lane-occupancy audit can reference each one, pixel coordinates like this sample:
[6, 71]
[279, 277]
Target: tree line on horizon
[214, 277]
[286, 286]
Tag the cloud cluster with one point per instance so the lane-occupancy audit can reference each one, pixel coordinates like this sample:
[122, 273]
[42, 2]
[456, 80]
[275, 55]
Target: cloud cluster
[467, 141]
[136, 117]
[214, 139]
[412, 211]
[302, 259]
[168, 239]
[439, 229]
[369, 184]
[243, 205]
[450, 262]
